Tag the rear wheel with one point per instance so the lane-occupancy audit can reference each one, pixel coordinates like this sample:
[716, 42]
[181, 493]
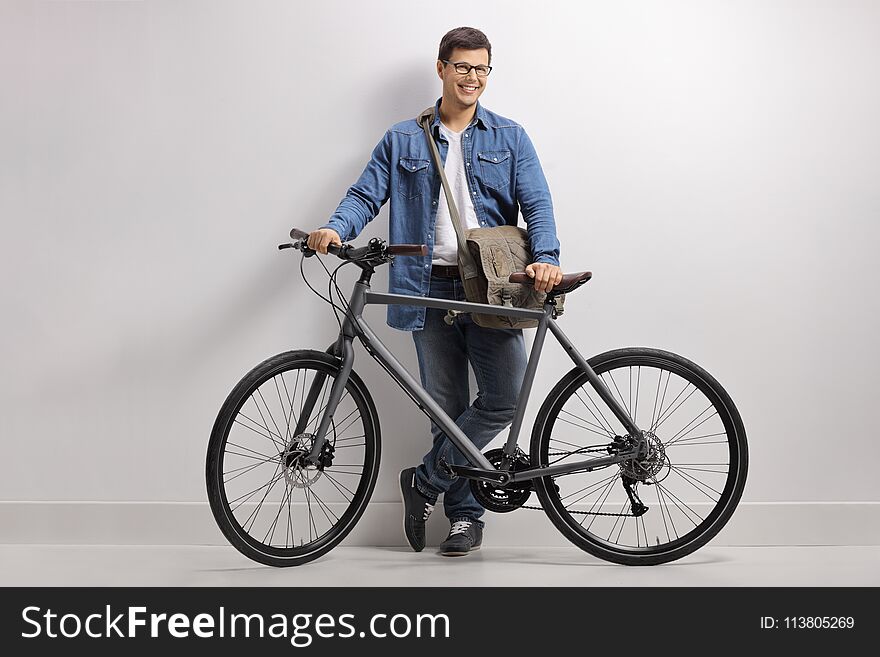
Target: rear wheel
[665, 505]
[271, 505]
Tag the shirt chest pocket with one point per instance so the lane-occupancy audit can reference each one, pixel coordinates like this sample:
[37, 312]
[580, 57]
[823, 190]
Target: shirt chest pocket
[412, 174]
[495, 168]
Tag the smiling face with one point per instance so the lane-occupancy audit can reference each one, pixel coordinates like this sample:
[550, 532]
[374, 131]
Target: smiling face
[461, 91]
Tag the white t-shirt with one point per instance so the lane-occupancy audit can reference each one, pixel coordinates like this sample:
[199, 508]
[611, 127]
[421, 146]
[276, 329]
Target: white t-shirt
[445, 240]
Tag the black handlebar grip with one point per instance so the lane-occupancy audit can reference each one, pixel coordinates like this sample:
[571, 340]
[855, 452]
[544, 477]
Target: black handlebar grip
[297, 234]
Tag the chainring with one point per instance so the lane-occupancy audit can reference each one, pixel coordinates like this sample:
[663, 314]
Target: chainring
[503, 499]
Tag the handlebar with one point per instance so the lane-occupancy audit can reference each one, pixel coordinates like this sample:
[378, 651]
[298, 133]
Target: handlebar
[376, 248]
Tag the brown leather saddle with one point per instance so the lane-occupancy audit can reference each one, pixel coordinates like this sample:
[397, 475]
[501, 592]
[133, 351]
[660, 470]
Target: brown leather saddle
[569, 283]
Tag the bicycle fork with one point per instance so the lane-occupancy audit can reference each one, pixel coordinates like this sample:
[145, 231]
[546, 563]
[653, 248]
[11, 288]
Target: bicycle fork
[336, 392]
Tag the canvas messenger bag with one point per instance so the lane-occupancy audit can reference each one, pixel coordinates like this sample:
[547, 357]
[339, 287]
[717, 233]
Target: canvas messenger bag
[488, 256]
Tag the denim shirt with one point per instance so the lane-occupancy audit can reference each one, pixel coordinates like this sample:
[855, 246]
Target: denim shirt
[503, 174]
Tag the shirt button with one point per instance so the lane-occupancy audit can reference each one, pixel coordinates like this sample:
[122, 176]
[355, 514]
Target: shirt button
[467, 164]
[494, 159]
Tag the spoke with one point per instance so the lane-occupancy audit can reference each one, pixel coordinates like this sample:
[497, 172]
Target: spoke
[705, 435]
[688, 428]
[290, 414]
[324, 508]
[599, 411]
[669, 412]
[340, 488]
[685, 444]
[601, 502]
[278, 445]
[680, 504]
[339, 432]
[656, 397]
[662, 399]
[614, 526]
[246, 496]
[339, 483]
[281, 401]
[610, 374]
[679, 467]
[631, 390]
[274, 524]
[252, 451]
[290, 526]
[604, 433]
[696, 483]
[340, 440]
[618, 519]
[609, 430]
[302, 396]
[345, 472]
[245, 467]
[662, 515]
[244, 470]
[271, 417]
[259, 506]
[598, 484]
[638, 381]
[311, 518]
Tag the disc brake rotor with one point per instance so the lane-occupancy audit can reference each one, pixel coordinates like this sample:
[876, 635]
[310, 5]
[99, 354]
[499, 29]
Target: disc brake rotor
[296, 473]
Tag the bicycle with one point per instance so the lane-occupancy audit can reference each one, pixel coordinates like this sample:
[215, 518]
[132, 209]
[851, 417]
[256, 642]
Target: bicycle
[589, 459]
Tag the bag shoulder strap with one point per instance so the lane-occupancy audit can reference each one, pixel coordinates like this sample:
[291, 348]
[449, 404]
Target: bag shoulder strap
[469, 267]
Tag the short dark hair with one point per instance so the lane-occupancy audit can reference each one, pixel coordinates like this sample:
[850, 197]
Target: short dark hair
[466, 38]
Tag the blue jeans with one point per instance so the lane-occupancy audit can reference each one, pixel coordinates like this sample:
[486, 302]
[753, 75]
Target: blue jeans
[498, 358]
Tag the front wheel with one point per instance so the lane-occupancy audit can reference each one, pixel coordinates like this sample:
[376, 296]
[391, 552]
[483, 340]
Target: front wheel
[271, 504]
[670, 502]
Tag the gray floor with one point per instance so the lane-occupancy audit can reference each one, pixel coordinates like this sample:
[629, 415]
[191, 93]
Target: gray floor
[174, 565]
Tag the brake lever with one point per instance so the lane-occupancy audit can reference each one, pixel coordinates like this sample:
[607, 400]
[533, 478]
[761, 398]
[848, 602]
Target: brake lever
[299, 245]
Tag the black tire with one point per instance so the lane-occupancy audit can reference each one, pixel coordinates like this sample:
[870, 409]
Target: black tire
[573, 417]
[252, 443]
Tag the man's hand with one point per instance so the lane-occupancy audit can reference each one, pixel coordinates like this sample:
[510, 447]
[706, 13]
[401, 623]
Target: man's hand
[545, 275]
[320, 239]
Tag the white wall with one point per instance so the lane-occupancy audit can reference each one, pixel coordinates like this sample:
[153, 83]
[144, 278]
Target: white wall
[715, 164]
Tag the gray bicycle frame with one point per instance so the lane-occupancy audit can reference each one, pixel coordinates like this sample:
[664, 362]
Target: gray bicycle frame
[356, 326]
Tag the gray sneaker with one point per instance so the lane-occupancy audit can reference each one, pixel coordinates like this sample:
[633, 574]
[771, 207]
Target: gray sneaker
[465, 536]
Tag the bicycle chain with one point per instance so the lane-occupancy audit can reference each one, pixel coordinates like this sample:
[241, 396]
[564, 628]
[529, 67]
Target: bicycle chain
[583, 513]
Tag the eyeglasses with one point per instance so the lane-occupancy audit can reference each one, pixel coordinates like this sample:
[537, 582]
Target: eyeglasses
[463, 68]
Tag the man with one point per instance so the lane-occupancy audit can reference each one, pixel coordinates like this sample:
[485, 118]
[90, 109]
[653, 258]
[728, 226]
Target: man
[493, 171]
